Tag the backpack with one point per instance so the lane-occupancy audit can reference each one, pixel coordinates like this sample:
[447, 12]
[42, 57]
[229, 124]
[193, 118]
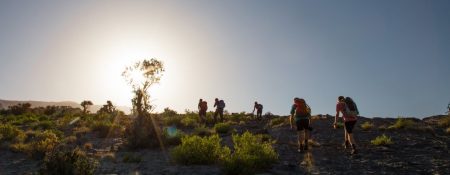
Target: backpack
[301, 108]
[260, 106]
[204, 105]
[221, 104]
[350, 107]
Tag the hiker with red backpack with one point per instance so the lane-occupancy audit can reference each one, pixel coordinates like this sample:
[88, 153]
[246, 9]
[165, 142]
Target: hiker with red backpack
[220, 105]
[302, 113]
[258, 107]
[202, 108]
[349, 111]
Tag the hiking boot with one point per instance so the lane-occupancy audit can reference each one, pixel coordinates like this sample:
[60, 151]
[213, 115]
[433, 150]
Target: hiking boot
[346, 144]
[354, 151]
[300, 149]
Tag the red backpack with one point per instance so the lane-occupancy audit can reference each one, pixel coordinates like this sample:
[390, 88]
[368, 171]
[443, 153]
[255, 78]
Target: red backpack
[204, 105]
[302, 108]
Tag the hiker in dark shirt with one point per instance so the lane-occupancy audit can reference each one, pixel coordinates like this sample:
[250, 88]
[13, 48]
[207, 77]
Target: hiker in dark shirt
[220, 105]
[202, 108]
[258, 108]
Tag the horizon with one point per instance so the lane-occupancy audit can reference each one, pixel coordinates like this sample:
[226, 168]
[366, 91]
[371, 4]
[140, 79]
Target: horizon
[391, 57]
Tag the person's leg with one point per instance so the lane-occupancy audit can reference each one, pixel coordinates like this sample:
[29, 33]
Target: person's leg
[306, 126]
[346, 136]
[215, 115]
[221, 115]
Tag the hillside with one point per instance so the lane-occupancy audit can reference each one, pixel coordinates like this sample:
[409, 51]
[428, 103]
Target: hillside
[4, 104]
[419, 147]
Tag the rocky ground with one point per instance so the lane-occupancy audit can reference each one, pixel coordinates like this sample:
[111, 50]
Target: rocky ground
[415, 151]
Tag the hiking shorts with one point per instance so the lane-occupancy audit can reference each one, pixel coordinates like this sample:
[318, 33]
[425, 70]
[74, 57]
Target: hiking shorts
[302, 124]
[349, 126]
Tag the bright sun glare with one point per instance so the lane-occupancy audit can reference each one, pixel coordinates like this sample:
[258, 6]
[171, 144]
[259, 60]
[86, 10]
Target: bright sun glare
[122, 57]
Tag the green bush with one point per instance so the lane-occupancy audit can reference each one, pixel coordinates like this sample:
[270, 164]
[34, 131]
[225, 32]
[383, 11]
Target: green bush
[278, 121]
[45, 125]
[403, 123]
[172, 136]
[173, 121]
[367, 125]
[11, 133]
[202, 131]
[106, 129]
[200, 150]
[444, 122]
[68, 162]
[40, 144]
[251, 154]
[382, 140]
[142, 133]
[189, 121]
[222, 128]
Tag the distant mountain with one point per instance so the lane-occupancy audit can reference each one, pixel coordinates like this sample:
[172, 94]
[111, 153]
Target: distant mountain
[4, 104]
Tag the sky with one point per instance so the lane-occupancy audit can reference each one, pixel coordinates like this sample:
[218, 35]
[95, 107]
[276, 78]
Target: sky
[391, 56]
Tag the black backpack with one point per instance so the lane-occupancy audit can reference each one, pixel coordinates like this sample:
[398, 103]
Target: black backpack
[350, 106]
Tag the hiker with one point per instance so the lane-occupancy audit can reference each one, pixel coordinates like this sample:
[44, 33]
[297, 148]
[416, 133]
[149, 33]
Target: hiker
[202, 108]
[448, 107]
[258, 108]
[349, 111]
[220, 105]
[302, 113]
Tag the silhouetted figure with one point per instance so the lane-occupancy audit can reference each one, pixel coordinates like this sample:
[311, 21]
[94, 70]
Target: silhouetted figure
[302, 114]
[220, 105]
[202, 108]
[258, 108]
[448, 108]
[349, 111]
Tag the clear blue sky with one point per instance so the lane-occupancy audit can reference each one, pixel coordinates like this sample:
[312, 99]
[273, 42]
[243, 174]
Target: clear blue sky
[392, 57]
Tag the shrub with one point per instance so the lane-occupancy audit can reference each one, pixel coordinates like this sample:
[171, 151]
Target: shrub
[142, 133]
[70, 140]
[45, 125]
[106, 128]
[278, 121]
[172, 136]
[382, 140]
[251, 154]
[189, 121]
[367, 125]
[202, 131]
[11, 133]
[448, 130]
[444, 121]
[222, 128]
[61, 162]
[403, 123]
[131, 158]
[200, 150]
[173, 121]
[43, 143]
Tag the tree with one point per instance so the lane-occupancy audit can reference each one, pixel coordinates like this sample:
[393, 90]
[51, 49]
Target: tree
[107, 108]
[141, 76]
[85, 104]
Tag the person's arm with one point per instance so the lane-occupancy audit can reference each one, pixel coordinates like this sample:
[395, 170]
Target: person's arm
[290, 121]
[291, 117]
[336, 116]
[254, 107]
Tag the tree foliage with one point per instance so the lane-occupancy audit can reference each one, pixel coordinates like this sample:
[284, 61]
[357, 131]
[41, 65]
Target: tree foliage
[85, 104]
[141, 76]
